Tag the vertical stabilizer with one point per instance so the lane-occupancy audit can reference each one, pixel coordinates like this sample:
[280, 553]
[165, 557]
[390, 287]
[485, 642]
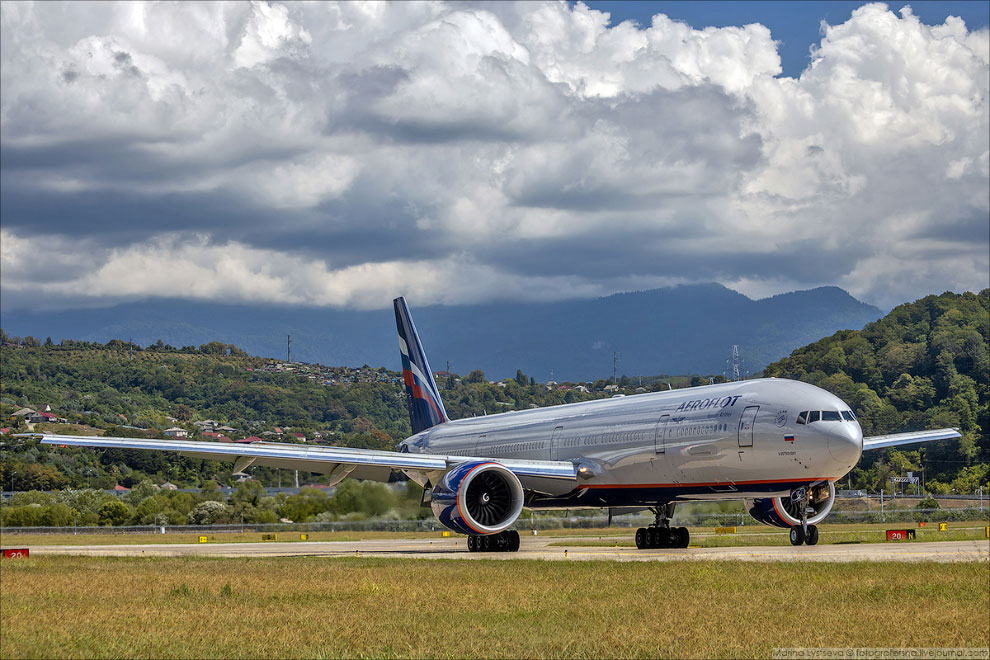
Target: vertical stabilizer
[425, 407]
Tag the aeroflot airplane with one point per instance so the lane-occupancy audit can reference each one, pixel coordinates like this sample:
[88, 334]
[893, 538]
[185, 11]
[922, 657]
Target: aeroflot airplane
[778, 444]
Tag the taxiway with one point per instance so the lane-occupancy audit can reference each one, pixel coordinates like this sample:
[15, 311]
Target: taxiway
[547, 548]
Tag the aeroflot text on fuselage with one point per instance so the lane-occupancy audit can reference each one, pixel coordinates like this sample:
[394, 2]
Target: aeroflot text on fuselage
[703, 404]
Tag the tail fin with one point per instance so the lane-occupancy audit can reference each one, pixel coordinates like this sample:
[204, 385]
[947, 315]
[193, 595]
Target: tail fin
[425, 407]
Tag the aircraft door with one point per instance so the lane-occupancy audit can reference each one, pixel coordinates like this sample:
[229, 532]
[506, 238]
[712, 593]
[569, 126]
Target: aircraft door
[747, 426]
[661, 433]
[554, 442]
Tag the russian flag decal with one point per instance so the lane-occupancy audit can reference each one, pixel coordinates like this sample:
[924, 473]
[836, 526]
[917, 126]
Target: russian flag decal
[788, 438]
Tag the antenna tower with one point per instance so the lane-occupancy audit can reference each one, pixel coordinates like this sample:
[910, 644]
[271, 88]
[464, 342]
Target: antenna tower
[288, 348]
[615, 364]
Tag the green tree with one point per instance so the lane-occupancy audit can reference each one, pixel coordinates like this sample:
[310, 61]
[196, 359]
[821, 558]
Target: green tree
[114, 512]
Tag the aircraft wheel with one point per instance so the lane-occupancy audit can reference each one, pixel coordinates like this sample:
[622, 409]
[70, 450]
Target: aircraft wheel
[641, 538]
[684, 538]
[472, 543]
[513, 545]
[812, 538]
[663, 538]
[651, 537]
[797, 535]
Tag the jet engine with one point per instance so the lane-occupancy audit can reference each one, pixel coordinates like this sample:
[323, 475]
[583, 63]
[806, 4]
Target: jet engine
[478, 498]
[783, 512]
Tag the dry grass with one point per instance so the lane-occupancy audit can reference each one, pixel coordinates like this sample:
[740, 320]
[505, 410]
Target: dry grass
[80, 607]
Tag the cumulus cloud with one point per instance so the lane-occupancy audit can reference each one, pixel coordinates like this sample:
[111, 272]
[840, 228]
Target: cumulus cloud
[342, 153]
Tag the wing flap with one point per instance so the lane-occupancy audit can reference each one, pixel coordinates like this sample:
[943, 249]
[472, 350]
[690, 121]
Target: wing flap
[895, 439]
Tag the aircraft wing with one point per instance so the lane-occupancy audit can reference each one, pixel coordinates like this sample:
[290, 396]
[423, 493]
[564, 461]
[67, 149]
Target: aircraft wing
[880, 441]
[339, 462]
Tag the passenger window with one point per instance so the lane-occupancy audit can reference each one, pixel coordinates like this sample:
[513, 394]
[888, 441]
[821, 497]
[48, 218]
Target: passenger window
[815, 415]
[831, 416]
[803, 417]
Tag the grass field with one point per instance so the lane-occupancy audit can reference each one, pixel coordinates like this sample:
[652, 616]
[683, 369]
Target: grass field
[701, 537]
[81, 607]
[704, 537]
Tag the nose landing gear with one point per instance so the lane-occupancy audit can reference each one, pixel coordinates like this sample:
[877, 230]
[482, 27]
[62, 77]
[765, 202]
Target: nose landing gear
[660, 534]
[803, 533]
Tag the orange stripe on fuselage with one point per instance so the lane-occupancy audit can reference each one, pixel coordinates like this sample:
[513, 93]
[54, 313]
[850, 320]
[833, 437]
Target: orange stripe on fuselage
[707, 483]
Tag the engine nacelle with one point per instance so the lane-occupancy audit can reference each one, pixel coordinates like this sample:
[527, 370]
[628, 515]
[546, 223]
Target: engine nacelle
[781, 512]
[478, 498]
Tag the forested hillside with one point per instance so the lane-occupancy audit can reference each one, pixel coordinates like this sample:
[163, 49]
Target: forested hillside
[114, 390]
[924, 365]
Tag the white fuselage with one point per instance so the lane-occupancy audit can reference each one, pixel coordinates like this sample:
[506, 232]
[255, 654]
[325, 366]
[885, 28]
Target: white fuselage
[727, 441]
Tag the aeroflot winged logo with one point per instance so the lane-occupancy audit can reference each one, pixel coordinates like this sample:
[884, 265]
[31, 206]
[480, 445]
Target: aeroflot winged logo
[426, 409]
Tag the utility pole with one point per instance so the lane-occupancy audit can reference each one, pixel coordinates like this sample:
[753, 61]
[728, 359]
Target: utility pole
[130, 342]
[615, 364]
[288, 348]
[735, 362]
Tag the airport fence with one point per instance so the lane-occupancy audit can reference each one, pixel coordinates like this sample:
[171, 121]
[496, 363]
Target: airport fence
[524, 523]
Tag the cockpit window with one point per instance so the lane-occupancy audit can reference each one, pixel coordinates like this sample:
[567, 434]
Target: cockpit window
[848, 416]
[814, 416]
[802, 417]
[831, 416]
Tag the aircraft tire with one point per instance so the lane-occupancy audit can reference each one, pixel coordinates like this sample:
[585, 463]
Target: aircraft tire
[797, 535]
[651, 537]
[684, 538]
[641, 538]
[812, 538]
[663, 538]
[472, 543]
[513, 545]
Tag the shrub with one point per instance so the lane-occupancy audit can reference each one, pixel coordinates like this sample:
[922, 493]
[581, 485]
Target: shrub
[115, 512]
[210, 513]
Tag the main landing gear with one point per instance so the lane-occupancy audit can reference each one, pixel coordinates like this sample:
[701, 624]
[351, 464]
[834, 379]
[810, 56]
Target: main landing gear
[803, 533]
[660, 534]
[501, 542]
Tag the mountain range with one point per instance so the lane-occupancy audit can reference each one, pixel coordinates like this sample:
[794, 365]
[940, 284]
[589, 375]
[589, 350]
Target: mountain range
[680, 330]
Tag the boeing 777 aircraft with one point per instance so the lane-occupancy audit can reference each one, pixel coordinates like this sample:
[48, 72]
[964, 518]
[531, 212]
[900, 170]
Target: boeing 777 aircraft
[778, 444]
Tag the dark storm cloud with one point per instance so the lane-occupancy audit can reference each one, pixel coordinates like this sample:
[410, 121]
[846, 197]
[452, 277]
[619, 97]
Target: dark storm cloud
[332, 154]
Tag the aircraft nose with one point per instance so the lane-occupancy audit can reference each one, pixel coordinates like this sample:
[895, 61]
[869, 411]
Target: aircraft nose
[845, 443]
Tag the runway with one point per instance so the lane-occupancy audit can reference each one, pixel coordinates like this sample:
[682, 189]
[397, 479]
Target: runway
[541, 548]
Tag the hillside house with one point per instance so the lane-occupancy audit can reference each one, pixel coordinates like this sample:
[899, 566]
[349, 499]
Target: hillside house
[176, 432]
